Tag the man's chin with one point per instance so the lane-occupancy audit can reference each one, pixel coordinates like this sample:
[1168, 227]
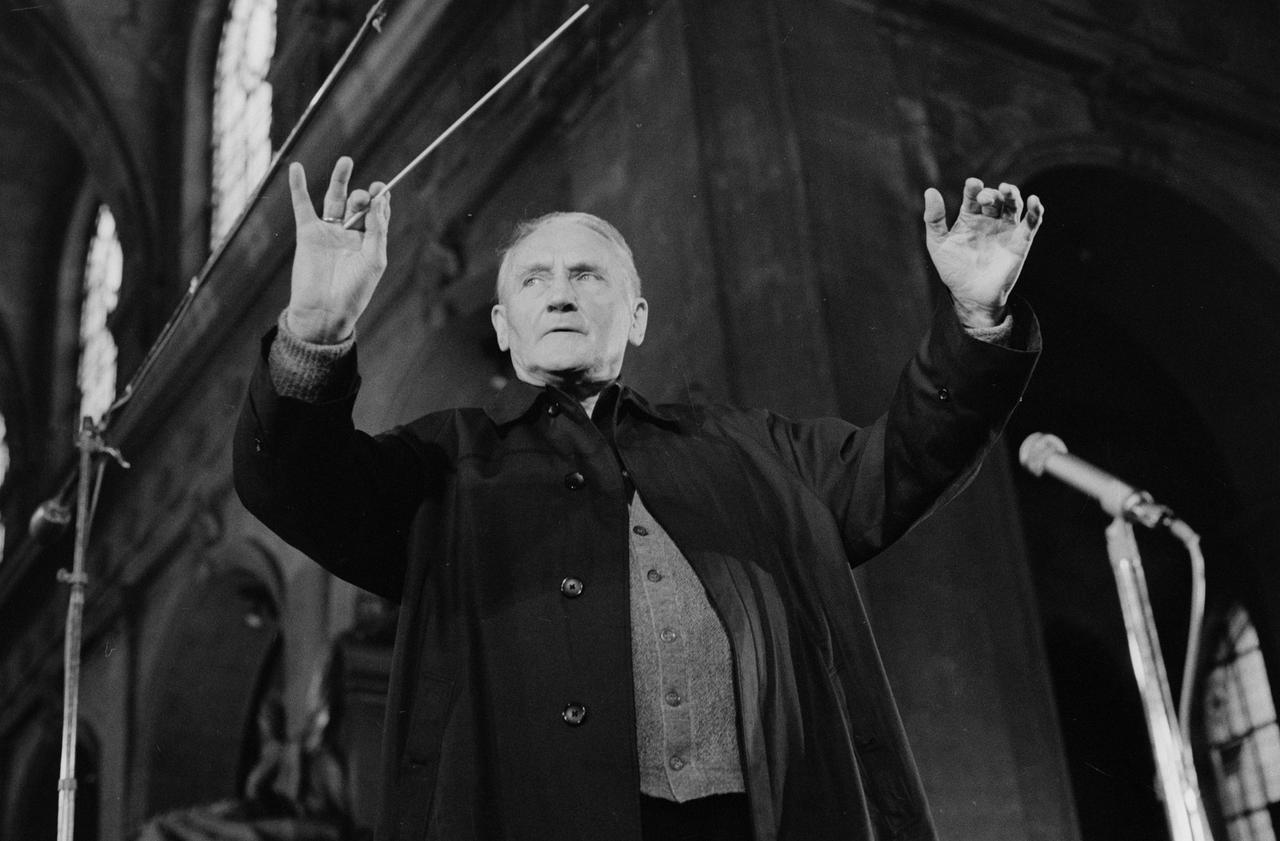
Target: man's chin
[562, 357]
[566, 374]
[567, 371]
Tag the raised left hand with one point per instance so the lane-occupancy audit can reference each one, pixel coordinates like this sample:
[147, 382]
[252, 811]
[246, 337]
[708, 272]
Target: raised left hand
[980, 256]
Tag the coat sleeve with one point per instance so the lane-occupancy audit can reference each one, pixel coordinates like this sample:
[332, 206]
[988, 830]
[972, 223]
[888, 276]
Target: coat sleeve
[949, 407]
[345, 498]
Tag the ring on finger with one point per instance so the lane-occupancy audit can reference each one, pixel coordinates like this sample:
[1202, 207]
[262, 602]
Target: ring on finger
[333, 220]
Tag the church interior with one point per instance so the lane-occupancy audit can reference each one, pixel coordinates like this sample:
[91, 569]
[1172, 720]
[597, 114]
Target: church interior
[766, 161]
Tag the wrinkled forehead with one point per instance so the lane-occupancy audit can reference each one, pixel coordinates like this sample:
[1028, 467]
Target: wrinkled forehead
[563, 241]
[557, 243]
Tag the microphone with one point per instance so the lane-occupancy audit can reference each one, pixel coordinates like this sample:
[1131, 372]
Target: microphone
[49, 520]
[1041, 453]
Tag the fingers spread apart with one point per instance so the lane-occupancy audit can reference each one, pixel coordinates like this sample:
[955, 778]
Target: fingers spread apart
[1003, 202]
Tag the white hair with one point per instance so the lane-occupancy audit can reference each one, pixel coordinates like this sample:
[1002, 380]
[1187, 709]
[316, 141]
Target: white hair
[527, 227]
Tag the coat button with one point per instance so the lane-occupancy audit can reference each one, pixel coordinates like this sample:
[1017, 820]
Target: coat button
[675, 763]
[669, 635]
[574, 714]
[653, 575]
[944, 393]
[640, 530]
[571, 587]
[672, 698]
[553, 409]
[575, 481]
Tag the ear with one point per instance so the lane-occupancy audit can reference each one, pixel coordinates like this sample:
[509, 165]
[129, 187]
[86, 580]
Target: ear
[498, 315]
[639, 321]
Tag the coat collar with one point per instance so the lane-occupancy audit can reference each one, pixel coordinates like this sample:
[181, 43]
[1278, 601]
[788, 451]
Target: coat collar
[518, 397]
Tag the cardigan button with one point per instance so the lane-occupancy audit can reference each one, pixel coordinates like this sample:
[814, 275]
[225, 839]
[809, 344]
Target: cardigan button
[574, 714]
[575, 481]
[944, 394]
[553, 408]
[571, 587]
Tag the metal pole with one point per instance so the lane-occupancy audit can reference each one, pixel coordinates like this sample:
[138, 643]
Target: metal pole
[71, 643]
[1175, 769]
[89, 482]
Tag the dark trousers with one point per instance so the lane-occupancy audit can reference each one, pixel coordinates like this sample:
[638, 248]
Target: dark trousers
[720, 817]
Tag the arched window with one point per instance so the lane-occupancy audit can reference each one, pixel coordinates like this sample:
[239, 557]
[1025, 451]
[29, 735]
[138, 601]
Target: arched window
[1242, 734]
[103, 272]
[241, 109]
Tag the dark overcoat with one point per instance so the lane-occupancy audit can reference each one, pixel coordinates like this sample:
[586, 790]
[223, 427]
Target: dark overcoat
[510, 711]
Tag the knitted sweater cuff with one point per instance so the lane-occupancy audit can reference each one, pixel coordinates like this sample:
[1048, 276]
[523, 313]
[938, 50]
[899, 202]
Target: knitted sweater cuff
[306, 371]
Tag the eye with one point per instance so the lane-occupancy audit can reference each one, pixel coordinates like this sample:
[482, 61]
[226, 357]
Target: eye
[532, 279]
[589, 276]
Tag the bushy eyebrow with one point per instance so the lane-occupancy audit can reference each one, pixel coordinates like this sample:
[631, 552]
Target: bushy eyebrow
[576, 268]
[536, 268]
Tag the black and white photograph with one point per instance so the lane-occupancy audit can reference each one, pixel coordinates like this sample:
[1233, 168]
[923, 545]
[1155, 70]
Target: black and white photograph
[639, 420]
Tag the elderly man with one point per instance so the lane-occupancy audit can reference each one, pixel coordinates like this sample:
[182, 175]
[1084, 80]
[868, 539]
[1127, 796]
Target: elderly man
[622, 620]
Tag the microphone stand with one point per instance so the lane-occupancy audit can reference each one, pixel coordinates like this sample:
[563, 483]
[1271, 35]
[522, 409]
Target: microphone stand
[1178, 786]
[92, 449]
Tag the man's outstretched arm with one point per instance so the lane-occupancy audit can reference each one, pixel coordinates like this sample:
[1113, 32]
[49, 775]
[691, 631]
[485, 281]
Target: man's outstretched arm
[340, 496]
[954, 396]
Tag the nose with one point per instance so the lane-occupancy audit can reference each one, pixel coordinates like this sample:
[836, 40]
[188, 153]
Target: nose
[562, 296]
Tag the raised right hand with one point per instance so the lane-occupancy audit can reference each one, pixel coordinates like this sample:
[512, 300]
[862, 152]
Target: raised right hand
[335, 270]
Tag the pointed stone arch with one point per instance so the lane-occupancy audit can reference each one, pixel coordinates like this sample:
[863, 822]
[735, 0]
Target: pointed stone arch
[197, 709]
[62, 86]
